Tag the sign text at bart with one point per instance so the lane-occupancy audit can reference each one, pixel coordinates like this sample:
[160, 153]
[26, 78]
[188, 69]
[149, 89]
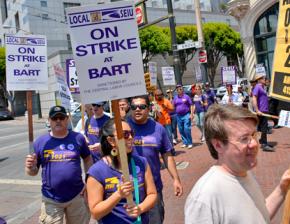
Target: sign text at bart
[107, 51]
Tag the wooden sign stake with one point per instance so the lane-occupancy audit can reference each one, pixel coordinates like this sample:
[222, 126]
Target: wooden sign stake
[121, 144]
[30, 120]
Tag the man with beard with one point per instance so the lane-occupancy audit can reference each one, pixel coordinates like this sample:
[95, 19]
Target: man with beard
[59, 154]
[228, 192]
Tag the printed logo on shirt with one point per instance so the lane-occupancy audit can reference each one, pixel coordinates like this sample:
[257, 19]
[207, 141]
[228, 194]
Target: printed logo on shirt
[60, 153]
[145, 141]
[93, 130]
[111, 183]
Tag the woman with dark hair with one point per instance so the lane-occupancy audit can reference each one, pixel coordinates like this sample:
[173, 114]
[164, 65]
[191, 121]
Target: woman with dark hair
[107, 192]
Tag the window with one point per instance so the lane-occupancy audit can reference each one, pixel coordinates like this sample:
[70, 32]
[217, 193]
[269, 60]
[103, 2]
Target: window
[265, 37]
[44, 16]
[67, 5]
[68, 42]
[43, 3]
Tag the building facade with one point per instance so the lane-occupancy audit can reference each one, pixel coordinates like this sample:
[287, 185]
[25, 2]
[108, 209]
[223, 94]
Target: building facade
[258, 23]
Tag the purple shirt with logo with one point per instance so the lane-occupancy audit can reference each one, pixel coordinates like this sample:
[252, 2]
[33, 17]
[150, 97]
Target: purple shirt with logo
[150, 140]
[262, 98]
[60, 161]
[182, 104]
[93, 133]
[197, 103]
[210, 95]
[110, 178]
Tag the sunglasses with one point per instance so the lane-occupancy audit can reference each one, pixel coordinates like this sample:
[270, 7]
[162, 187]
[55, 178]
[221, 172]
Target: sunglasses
[62, 118]
[97, 105]
[140, 106]
[127, 134]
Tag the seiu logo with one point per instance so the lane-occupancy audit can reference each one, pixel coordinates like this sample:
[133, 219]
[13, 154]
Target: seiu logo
[117, 14]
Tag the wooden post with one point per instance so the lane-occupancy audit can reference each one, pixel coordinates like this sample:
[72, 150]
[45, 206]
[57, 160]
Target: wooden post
[30, 120]
[286, 212]
[121, 144]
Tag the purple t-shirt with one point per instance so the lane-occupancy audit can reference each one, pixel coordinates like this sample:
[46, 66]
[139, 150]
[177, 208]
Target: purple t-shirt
[197, 103]
[150, 140]
[182, 104]
[93, 133]
[210, 95]
[110, 178]
[61, 165]
[262, 98]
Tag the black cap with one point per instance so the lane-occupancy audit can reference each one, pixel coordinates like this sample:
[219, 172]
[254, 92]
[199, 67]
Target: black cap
[57, 110]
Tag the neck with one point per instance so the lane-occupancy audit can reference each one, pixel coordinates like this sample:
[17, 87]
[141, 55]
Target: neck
[61, 134]
[227, 169]
[98, 116]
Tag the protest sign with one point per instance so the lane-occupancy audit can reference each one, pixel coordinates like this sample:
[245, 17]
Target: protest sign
[72, 76]
[284, 119]
[229, 74]
[168, 76]
[107, 51]
[280, 80]
[260, 69]
[153, 73]
[26, 62]
[64, 96]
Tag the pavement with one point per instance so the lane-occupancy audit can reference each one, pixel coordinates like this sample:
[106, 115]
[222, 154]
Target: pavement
[193, 163]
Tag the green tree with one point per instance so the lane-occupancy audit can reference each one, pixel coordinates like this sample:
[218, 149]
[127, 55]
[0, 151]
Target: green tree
[4, 94]
[153, 41]
[220, 41]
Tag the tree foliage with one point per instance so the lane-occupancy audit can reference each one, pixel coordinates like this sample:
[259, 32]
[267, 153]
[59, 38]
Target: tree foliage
[153, 41]
[220, 41]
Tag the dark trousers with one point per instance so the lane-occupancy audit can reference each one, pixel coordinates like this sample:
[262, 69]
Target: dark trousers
[263, 128]
[156, 214]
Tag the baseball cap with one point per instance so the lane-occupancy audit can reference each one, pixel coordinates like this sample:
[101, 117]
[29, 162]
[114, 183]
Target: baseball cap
[97, 104]
[207, 84]
[57, 110]
[178, 85]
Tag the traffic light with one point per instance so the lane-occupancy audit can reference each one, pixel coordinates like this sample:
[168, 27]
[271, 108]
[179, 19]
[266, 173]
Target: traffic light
[147, 80]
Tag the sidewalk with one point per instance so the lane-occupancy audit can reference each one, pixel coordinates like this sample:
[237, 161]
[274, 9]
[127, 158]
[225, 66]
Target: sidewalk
[270, 168]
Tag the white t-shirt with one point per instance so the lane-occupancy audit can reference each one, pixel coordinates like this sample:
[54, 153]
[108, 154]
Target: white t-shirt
[221, 198]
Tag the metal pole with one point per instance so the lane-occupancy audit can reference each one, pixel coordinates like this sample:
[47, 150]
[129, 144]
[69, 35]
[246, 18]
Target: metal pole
[176, 60]
[200, 37]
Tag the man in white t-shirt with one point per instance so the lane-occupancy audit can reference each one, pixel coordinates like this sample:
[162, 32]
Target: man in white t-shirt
[228, 192]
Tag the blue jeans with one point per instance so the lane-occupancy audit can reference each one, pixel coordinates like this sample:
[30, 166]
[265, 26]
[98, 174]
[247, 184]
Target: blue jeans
[174, 125]
[184, 126]
[199, 121]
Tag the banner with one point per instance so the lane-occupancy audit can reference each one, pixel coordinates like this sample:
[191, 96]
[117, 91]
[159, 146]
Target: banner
[168, 76]
[229, 74]
[72, 76]
[107, 51]
[280, 80]
[26, 62]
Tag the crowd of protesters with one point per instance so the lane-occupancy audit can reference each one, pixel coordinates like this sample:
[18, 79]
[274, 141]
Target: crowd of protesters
[151, 124]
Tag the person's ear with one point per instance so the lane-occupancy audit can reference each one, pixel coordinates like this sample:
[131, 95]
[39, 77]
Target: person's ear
[218, 145]
[111, 141]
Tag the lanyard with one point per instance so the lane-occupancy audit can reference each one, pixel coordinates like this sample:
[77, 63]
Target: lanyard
[136, 188]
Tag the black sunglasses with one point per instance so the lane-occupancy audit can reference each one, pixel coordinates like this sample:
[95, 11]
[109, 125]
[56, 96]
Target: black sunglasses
[97, 105]
[58, 118]
[140, 106]
[127, 134]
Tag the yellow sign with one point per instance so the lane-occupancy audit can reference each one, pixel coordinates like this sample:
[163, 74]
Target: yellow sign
[147, 80]
[280, 84]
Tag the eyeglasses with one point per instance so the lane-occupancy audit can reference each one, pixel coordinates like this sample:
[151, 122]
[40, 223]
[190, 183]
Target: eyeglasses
[246, 140]
[58, 118]
[140, 106]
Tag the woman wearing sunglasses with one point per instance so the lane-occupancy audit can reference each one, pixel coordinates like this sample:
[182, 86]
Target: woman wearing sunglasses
[106, 190]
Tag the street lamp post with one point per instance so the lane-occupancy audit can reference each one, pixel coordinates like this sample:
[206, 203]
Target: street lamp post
[176, 60]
